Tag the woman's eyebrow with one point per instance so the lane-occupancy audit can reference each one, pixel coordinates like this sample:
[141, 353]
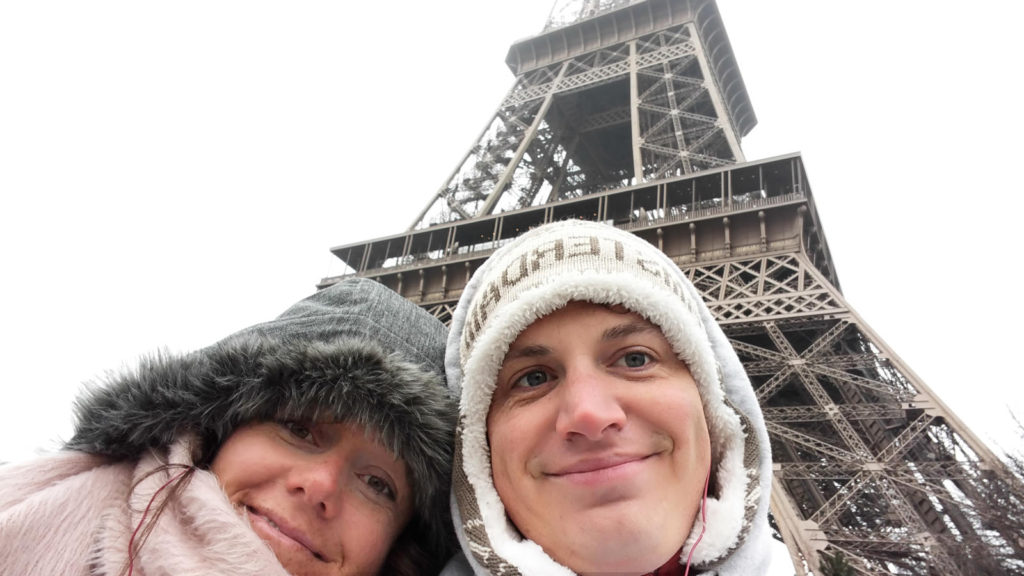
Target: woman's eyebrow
[628, 329]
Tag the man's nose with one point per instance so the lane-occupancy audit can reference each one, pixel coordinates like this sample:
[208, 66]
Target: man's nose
[589, 404]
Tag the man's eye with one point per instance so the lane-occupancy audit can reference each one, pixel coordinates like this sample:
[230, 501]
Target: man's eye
[379, 485]
[299, 430]
[633, 360]
[532, 379]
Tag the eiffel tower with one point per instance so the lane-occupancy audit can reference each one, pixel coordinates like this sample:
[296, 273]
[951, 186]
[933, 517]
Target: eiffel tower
[632, 113]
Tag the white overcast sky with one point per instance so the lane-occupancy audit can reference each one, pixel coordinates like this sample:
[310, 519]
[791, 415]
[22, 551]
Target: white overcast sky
[171, 172]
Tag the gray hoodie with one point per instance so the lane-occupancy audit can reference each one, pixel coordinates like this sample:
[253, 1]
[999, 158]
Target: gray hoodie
[355, 352]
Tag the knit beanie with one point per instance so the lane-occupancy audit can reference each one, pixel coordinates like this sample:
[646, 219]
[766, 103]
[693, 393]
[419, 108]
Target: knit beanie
[354, 352]
[535, 275]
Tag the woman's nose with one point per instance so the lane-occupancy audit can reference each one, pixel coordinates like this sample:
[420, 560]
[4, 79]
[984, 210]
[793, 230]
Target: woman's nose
[318, 482]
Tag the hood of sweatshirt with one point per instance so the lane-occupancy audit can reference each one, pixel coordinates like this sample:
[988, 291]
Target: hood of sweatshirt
[540, 272]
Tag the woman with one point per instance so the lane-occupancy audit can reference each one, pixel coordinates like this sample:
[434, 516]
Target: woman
[317, 443]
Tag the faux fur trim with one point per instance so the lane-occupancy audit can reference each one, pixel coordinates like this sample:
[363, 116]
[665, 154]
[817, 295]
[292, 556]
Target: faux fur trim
[198, 533]
[74, 513]
[212, 392]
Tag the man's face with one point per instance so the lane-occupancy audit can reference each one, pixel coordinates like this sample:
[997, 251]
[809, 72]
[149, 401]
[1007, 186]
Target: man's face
[599, 447]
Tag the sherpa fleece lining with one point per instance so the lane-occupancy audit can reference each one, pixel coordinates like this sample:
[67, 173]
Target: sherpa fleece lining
[491, 539]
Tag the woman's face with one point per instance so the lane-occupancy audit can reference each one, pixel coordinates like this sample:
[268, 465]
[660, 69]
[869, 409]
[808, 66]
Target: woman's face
[327, 498]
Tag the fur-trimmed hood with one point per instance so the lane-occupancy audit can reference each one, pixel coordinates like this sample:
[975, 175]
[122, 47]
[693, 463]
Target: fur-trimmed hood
[355, 352]
[540, 272]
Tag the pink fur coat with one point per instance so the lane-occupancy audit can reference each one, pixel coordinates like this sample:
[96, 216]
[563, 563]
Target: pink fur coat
[73, 513]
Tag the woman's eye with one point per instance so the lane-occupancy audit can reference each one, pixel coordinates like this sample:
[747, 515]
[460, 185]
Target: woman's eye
[532, 379]
[379, 485]
[634, 360]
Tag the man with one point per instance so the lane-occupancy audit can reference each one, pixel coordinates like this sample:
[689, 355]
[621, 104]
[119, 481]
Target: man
[606, 425]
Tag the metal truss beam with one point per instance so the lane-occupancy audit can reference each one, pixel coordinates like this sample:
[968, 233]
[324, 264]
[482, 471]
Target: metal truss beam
[676, 124]
[633, 117]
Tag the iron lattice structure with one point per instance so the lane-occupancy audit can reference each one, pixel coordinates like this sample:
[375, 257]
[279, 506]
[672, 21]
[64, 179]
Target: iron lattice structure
[632, 113]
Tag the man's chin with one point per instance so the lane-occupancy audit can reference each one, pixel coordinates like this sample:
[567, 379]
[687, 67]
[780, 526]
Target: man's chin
[614, 541]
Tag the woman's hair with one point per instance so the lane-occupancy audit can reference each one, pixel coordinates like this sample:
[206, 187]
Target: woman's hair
[417, 551]
[356, 351]
[182, 474]
[411, 554]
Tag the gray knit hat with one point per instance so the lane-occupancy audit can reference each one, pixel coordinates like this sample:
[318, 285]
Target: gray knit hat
[537, 274]
[355, 352]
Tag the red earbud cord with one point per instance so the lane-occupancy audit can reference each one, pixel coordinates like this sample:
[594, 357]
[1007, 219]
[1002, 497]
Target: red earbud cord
[703, 522]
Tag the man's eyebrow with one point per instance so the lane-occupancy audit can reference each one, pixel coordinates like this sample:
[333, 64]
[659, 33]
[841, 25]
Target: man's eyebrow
[532, 351]
[628, 329]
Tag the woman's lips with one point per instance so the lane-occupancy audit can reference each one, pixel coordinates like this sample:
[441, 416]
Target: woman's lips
[275, 527]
